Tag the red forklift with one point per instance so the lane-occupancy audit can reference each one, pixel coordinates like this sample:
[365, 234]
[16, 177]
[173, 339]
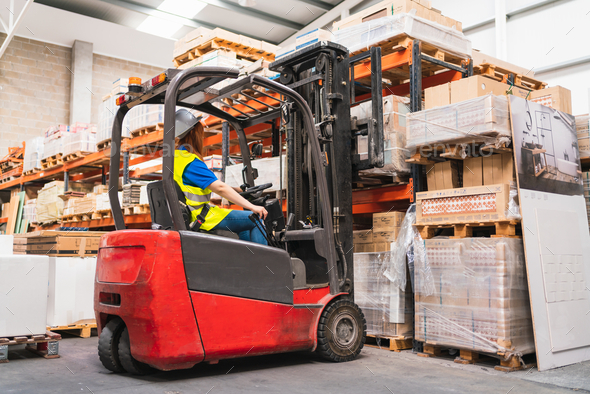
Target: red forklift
[169, 298]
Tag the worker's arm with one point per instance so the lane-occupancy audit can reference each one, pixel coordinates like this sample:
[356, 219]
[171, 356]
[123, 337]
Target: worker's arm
[232, 195]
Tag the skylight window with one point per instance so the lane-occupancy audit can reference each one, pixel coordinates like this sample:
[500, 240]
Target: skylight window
[185, 8]
[159, 27]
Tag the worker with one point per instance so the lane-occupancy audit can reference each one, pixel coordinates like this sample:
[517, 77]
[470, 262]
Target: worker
[197, 182]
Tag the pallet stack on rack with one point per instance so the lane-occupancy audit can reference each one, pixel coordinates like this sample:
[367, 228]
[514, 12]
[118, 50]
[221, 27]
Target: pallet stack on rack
[11, 165]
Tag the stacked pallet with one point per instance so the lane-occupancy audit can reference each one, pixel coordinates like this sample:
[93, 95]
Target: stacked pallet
[61, 243]
[219, 47]
[11, 165]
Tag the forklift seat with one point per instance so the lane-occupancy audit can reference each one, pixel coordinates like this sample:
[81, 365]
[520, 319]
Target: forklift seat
[160, 213]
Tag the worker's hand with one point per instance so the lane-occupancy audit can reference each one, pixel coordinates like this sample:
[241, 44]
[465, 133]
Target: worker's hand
[260, 211]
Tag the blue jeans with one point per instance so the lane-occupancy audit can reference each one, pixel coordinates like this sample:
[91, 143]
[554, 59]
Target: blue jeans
[239, 223]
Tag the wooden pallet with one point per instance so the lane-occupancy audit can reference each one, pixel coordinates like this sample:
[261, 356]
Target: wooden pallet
[31, 171]
[8, 179]
[508, 363]
[46, 346]
[396, 344]
[501, 74]
[103, 144]
[82, 328]
[457, 150]
[147, 130]
[52, 161]
[75, 218]
[75, 156]
[141, 209]
[504, 228]
[242, 51]
[101, 214]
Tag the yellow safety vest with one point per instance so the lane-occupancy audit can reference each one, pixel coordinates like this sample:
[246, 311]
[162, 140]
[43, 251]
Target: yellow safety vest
[196, 198]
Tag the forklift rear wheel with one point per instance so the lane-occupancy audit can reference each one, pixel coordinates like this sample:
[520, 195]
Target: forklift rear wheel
[130, 364]
[108, 345]
[342, 331]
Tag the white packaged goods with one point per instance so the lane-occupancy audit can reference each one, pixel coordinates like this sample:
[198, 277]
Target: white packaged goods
[103, 202]
[367, 34]
[218, 58]
[145, 115]
[23, 306]
[143, 195]
[583, 132]
[120, 86]
[388, 310]
[33, 154]
[268, 172]
[394, 134]
[82, 141]
[71, 290]
[311, 37]
[485, 117]
[49, 205]
[6, 244]
[476, 297]
[106, 116]
[30, 210]
[284, 51]
[52, 147]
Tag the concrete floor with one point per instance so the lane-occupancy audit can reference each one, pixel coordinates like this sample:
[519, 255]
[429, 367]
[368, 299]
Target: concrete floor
[375, 371]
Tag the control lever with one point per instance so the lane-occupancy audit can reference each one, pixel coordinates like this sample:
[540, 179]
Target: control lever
[255, 219]
[290, 221]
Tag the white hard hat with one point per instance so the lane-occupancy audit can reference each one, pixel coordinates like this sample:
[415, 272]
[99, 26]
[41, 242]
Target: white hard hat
[185, 121]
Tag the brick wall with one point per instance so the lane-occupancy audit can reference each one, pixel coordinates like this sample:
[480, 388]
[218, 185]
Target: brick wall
[105, 70]
[35, 87]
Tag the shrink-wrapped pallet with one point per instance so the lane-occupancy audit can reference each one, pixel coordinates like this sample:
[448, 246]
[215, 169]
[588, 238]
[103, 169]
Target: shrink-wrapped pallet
[394, 134]
[52, 147]
[33, 154]
[478, 298]
[49, 205]
[368, 34]
[486, 119]
[268, 172]
[83, 141]
[106, 116]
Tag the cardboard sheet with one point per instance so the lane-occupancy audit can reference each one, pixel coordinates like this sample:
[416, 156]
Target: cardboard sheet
[555, 230]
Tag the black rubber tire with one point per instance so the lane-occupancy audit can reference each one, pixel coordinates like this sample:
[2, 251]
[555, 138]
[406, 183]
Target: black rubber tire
[108, 345]
[342, 331]
[130, 364]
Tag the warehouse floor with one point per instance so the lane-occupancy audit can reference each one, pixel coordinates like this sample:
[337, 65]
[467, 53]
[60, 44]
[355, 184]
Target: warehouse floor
[375, 371]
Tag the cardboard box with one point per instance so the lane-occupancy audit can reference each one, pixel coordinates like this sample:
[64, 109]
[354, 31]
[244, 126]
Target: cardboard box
[479, 85]
[473, 171]
[437, 96]
[63, 243]
[364, 248]
[311, 37]
[71, 290]
[362, 237]
[389, 8]
[443, 176]
[556, 97]
[24, 309]
[463, 205]
[385, 236]
[214, 162]
[387, 220]
[498, 168]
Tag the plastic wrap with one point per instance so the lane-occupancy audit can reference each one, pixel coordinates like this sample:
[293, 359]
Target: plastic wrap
[388, 310]
[83, 141]
[52, 147]
[30, 211]
[218, 58]
[480, 300]
[49, 205]
[106, 115]
[394, 134]
[396, 269]
[486, 117]
[33, 154]
[513, 209]
[583, 132]
[268, 172]
[369, 33]
[145, 115]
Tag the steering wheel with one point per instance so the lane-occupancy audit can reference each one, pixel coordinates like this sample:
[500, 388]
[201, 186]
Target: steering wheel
[252, 191]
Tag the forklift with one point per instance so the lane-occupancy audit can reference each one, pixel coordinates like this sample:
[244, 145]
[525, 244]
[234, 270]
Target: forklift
[169, 297]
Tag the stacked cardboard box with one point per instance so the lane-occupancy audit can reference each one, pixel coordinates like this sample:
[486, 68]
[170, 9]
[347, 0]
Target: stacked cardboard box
[394, 133]
[487, 310]
[556, 97]
[386, 227]
[63, 243]
[388, 310]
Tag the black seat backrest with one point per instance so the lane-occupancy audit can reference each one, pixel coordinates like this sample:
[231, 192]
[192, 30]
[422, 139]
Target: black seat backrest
[159, 210]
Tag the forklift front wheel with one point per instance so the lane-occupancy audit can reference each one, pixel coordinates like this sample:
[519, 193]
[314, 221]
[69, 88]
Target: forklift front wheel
[130, 364]
[341, 331]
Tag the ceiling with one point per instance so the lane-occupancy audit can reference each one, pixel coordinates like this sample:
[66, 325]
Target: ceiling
[270, 20]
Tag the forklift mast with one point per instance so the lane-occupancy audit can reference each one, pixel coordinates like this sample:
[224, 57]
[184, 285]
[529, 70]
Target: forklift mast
[323, 74]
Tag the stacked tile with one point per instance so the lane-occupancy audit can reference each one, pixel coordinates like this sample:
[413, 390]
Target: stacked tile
[49, 205]
[472, 294]
[583, 132]
[131, 194]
